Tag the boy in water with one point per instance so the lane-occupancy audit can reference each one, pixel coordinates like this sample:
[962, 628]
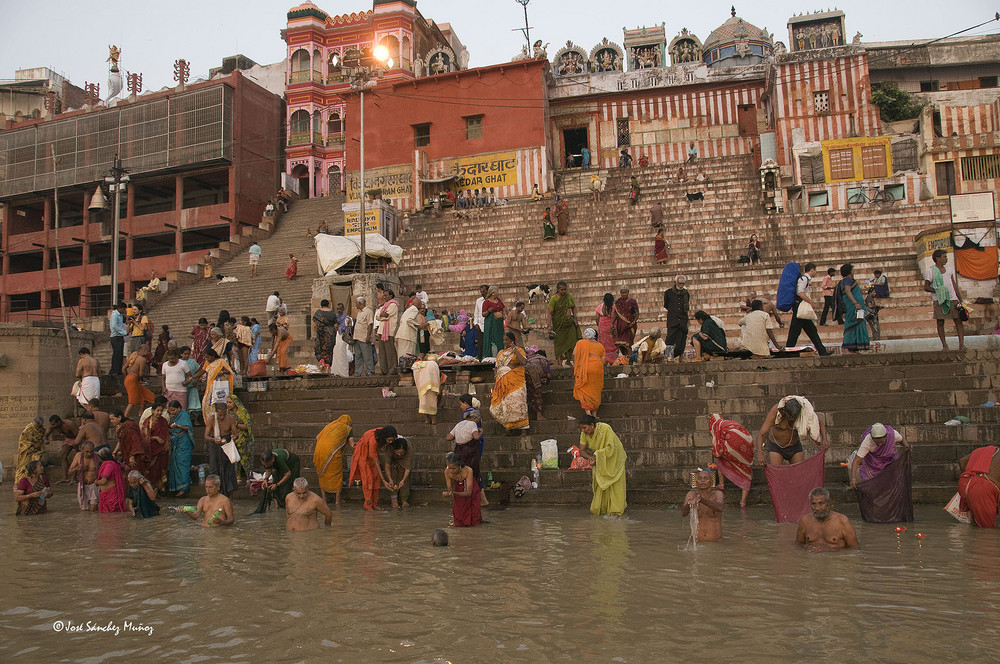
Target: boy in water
[709, 502]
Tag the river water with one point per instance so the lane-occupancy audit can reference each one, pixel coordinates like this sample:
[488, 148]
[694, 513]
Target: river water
[533, 585]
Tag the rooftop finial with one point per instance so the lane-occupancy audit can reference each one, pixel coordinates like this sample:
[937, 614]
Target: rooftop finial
[733, 10]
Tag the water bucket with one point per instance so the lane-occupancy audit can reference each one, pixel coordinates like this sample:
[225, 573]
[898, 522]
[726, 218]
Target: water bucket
[550, 454]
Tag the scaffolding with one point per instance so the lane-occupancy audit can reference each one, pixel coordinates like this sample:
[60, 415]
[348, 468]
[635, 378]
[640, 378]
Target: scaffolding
[149, 135]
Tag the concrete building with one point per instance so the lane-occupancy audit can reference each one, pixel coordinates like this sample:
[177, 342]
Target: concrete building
[203, 160]
[35, 93]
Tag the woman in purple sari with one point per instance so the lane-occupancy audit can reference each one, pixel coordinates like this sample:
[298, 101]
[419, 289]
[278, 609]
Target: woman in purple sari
[625, 320]
[111, 483]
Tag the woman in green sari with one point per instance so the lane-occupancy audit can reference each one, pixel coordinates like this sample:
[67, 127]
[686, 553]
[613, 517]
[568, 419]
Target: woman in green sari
[242, 437]
[493, 315]
[564, 327]
[600, 444]
[855, 326]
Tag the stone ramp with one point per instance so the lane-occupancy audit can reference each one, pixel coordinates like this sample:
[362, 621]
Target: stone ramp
[195, 297]
[610, 244]
[661, 414]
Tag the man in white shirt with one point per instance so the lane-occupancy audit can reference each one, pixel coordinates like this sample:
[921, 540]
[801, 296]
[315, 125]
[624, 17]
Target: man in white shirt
[422, 294]
[946, 289]
[478, 321]
[174, 373]
[757, 327]
[273, 302]
[806, 325]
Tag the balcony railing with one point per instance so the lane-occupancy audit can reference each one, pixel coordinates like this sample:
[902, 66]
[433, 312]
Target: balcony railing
[335, 139]
[305, 138]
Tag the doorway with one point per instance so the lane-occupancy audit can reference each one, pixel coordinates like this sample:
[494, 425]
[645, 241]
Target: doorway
[301, 173]
[944, 172]
[746, 117]
[574, 141]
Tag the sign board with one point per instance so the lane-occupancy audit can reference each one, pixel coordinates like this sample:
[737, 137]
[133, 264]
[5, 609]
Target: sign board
[929, 242]
[972, 207]
[498, 169]
[373, 221]
[393, 181]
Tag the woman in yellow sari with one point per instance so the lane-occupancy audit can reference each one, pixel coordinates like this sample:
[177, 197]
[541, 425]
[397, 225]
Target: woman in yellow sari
[215, 368]
[427, 378]
[30, 445]
[601, 445]
[588, 371]
[509, 403]
[328, 457]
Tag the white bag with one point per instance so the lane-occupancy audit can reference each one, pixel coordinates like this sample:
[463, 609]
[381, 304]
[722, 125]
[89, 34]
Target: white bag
[231, 452]
[860, 314]
[75, 390]
[550, 454]
[806, 312]
[953, 509]
[220, 392]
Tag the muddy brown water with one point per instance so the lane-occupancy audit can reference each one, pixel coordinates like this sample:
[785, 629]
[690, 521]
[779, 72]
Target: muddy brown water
[533, 585]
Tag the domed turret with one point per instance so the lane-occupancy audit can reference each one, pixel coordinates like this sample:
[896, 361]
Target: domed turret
[736, 43]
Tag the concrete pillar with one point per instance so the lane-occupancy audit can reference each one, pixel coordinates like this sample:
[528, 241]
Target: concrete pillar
[5, 212]
[178, 194]
[312, 178]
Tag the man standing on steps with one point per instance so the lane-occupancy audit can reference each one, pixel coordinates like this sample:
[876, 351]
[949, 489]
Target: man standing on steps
[805, 324]
[117, 339]
[273, 302]
[254, 258]
[478, 320]
[364, 355]
[677, 302]
[942, 284]
[385, 333]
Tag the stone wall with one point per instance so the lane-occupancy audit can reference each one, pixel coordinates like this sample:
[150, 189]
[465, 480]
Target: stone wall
[36, 374]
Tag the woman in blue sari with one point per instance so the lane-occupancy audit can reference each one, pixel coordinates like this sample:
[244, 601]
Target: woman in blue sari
[255, 334]
[181, 447]
[855, 326]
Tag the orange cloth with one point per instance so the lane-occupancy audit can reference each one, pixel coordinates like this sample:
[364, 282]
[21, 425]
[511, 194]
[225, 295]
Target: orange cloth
[588, 373]
[364, 466]
[977, 264]
[138, 394]
[328, 455]
[281, 350]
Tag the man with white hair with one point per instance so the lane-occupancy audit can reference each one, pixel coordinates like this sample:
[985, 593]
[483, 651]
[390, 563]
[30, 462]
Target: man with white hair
[364, 351]
[677, 302]
[301, 506]
[650, 348]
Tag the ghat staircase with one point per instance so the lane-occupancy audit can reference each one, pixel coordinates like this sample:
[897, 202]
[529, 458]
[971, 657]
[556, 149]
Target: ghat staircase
[610, 243]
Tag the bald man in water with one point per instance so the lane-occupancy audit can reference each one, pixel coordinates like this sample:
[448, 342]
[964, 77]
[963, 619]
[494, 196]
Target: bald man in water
[301, 506]
[825, 530]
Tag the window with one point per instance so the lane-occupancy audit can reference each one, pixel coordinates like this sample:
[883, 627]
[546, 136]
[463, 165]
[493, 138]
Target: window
[422, 135]
[623, 133]
[842, 164]
[929, 86]
[987, 81]
[821, 101]
[985, 167]
[474, 127]
[819, 198]
[873, 162]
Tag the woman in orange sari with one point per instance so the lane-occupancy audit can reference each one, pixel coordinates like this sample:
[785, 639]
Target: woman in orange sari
[328, 457]
[214, 369]
[588, 371]
[364, 463]
[293, 266]
[281, 339]
[509, 402]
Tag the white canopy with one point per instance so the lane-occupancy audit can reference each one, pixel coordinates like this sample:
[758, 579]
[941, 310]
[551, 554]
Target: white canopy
[335, 251]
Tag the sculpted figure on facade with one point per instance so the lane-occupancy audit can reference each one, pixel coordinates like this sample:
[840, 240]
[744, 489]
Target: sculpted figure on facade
[418, 66]
[539, 52]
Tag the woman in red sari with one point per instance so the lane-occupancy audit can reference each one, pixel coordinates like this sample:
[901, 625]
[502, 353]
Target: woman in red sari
[364, 463]
[293, 266]
[626, 320]
[466, 501]
[660, 247]
[605, 321]
[156, 434]
[111, 483]
[131, 444]
[199, 341]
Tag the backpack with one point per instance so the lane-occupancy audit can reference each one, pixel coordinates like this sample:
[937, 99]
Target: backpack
[784, 300]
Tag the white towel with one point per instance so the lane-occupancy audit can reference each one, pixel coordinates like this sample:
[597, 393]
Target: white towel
[807, 425]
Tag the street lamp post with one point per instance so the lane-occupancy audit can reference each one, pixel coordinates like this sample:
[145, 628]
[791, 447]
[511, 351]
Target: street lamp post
[362, 68]
[115, 180]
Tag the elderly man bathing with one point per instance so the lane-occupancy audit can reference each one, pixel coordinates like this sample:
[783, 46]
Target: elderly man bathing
[301, 506]
[709, 502]
[825, 530]
[214, 509]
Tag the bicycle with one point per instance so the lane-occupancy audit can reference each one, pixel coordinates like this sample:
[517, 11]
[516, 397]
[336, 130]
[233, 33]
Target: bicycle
[881, 198]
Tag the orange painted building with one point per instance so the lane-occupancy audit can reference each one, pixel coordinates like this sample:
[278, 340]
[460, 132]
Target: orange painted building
[472, 129]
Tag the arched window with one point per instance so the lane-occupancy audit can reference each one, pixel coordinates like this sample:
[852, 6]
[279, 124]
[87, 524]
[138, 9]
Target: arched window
[334, 125]
[300, 60]
[298, 128]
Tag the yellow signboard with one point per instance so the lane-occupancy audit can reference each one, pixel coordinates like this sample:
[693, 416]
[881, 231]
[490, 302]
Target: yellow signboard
[373, 222]
[489, 170]
[392, 181]
[928, 243]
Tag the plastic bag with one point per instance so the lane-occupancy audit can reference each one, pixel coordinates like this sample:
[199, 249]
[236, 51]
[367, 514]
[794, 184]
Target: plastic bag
[580, 462]
[953, 508]
[550, 453]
